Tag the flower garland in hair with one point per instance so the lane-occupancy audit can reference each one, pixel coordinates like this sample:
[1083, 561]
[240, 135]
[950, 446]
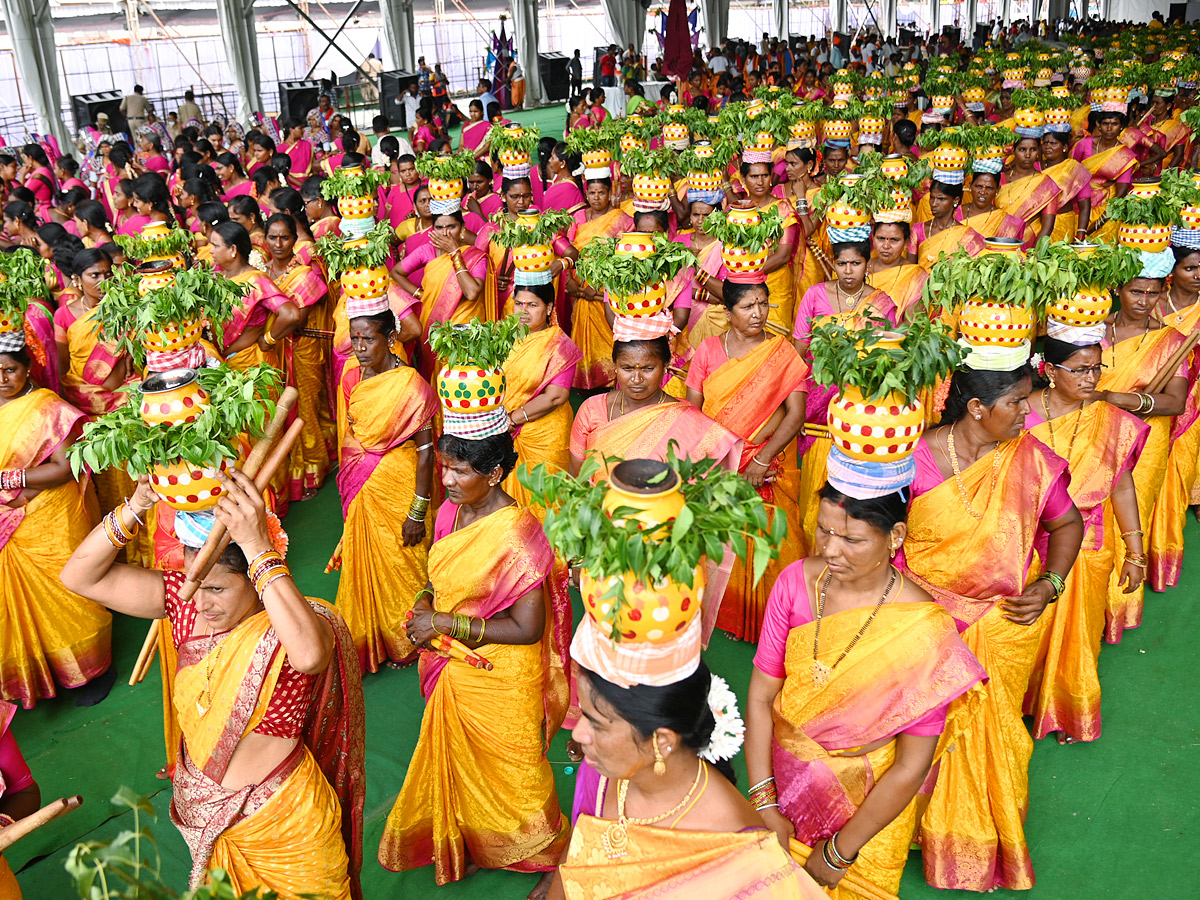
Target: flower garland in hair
[730, 731]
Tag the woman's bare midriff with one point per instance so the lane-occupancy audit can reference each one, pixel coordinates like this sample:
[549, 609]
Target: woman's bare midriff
[256, 757]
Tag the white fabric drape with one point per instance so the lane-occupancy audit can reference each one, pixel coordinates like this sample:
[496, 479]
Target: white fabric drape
[972, 21]
[241, 50]
[525, 42]
[399, 31]
[839, 15]
[888, 12]
[714, 16]
[627, 22]
[1135, 10]
[32, 33]
[779, 17]
[935, 16]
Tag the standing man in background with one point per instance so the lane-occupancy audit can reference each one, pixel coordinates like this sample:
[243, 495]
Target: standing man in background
[575, 74]
[189, 109]
[135, 107]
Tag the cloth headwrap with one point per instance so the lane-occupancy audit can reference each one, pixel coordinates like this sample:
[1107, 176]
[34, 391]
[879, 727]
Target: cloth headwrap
[801, 144]
[188, 358]
[12, 341]
[1074, 334]
[1012, 83]
[1157, 265]
[526, 278]
[840, 144]
[1081, 73]
[444, 207]
[626, 663]
[932, 116]
[1030, 132]
[1095, 107]
[995, 359]
[851, 235]
[475, 426]
[870, 137]
[521, 170]
[712, 198]
[1114, 106]
[1187, 85]
[1186, 237]
[356, 228]
[949, 176]
[593, 174]
[651, 205]
[991, 166]
[865, 480]
[357, 308]
[1059, 127]
[192, 528]
[642, 328]
[1057, 78]
[976, 106]
[756, 156]
[1041, 82]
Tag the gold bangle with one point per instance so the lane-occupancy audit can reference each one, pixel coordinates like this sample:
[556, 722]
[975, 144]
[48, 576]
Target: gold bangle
[268, 338]
[482, 626]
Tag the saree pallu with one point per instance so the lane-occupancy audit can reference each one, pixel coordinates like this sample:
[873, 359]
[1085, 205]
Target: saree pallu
[590, 331]
[708, 319]
[533, 363]
[42, 346]
[479, 786]
[744, 395]
[997, 224]
[299, 831]
[308, 462]
[301, 155]
[261, 299]
[1105, 168]
[442, 300]
[377, 478]
[1064, 691]
[1027, 197]
[1132, 364]
[647, 433]
[48, 634]
[909, 662]
[401, 303]
[972, 832]
[781, 294]
[1072, 178]
[946, 241]
[903, 283]
[673, 864]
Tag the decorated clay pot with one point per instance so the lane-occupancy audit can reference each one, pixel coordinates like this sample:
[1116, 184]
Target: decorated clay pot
[635, 243]
[533, 257]
[630, 141]
[1029, 118]
[1191, 217]
[995, 152]
[470, 389]
[350, 171]
[900, 209]
[1003, 245]
[879, 431]
[1090, 305]
[356, 207]
[651, 488]
[173, 336]
[173, 397]
[803, 130]
[942, 101]
[871, 125]
[676, 132]
[989, 324]
[647, 302]
[893, 166]
[838, 130]
[445, 188]
[597, 159]
[743, 215]
[1058, 116]
[186, 487]
[1151, 238]
[649, 613]
[755, 108]
[974, 95]
[839, 215]
[10, 323]
[946, 158]
[704, 149]
[1060, 91]
[705, 181]
[743, 263]
[155, 274]
[160, 231]
[652, 188]
[1145, 188]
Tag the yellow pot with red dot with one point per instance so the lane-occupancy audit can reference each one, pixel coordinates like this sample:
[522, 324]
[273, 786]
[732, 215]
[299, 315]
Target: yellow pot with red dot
[881, 430]
[744, 263]
[533, 257]
[1150, 238]
[173, 397]
[364, 282]
[445, 189]
[635, 243]
[840, 215]
[1026, 117]
[974, 95]
[651, 188]
[947, 158]
[597, 159]
[1145, 188]
[743, 215]
[186, 487]
[893, 166]
[362, 207]
[989, 324]
[655, 505]
[630, 141]
[173, 336]
[649, 613]
[155, 274]
[838, 130]
[1090, 305]
[646, 302]
[675, 132]
[1191, 217]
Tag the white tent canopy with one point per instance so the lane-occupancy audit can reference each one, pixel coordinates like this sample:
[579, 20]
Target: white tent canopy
[525, 35]
[241, 48]
[32, 32]
[399, 32]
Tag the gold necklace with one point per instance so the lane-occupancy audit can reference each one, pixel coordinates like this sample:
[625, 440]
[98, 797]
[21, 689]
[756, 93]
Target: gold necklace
[962, 489]
[852, 299]
[821, 672]
[658, 397]
[616, 836]
[204, 701]
[1050, 424]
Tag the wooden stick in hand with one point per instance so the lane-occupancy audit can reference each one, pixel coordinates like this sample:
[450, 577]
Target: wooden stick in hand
[34, 821]
[1167, 372]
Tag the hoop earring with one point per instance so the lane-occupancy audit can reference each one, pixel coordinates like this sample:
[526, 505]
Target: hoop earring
[660, 764]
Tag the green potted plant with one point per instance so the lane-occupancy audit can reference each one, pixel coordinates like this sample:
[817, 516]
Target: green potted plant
[446, 174]
[881, 371]
[182, 458]
[1144, 222]
[1185, 188]
[651, 171]
[641, 534]
[359, 262]
[595, 145]
[473, 354]
[1096, 269]
[706, 162]
[530, 237]
[22, 279]
[513, 144]
[158, 241]
[989, 142]
[633, 270]
[354, 189]
[168, 318]
[747, 236]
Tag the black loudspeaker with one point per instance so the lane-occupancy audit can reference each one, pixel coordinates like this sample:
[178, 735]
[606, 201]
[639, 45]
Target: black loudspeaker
[392, 88]
[555, 80]
[84, 108]
[297, 97]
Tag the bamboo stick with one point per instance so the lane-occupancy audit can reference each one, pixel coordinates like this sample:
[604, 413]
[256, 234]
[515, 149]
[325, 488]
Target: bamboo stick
[261, 481]
[800, 852]
[1167, 372]
[34, 821]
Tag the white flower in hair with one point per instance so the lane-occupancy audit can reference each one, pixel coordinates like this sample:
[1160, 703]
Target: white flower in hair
[730, 731]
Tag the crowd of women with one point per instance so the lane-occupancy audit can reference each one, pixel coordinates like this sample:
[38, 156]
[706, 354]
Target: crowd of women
[914, 608]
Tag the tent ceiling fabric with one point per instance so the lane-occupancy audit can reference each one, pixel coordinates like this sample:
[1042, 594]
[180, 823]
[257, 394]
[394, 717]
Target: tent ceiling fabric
[32, 33]
[627, 20]
[715, 15]
[241, 49]
[525, 43]
[779, 17]
[399, 32]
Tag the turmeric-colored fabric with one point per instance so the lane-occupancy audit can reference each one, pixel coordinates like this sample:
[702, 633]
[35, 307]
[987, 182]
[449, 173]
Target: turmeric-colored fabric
[743, 395]
[647, 433]
[1027, 197]
[534, 362]
[48, 635]
[903, 283]
[377, 419]
[442, 300]
[1064, 693]
[1072, 178]
[673, 864]
[782, 313]
[972, 833]
[590, 331]
[909, 662]
[1105, 168]
[947, 241]
[9, 889]
[708, 318]
[479, 785]
[1131, 365]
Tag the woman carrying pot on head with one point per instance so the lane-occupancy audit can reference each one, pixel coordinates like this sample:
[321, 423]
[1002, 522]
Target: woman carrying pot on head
[1073, 207]
[385, 413]
[708, 317]
[479, 791]
[889, 270]
[778, 267]
[986, 494]
[270, 790]
[987, 219]
[945, 232]
[54, 638]
[1027, 192]
[754, 384]
[853, 679]
[1109, 161]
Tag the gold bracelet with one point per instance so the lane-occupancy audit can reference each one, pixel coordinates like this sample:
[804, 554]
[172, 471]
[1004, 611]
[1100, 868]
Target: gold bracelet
[482, 626]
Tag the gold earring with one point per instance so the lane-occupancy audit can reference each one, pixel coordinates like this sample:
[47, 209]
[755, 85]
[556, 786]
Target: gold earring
[660, 764]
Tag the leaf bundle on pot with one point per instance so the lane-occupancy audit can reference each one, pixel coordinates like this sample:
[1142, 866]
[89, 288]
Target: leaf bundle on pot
[1106, 265]
[724, 150]
[338, 257]
[585, 140]
[364, 184]
[624, 274]
[721, 509]
[1182, 186]
[25, 280]
[764, 233]
[477, 343]
[855, 356]
[512, 233]
[455, 167]
[1161, 209]
[866, 194]
[238, 402]
[1035, 98]
[134, 246]
[1003, 278]
[498, 139]
[649, 162]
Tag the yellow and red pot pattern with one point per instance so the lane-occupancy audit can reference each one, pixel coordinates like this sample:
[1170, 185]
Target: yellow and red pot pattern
[185, 487]
[173, 336]
[988, 324]
[651, 188]
[650, 613]
[177, 406]
[365, 282]
[1090, 305]
[533, 257]
[1151, 238]
[470, 388]
[647, 302]
[879, 431]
